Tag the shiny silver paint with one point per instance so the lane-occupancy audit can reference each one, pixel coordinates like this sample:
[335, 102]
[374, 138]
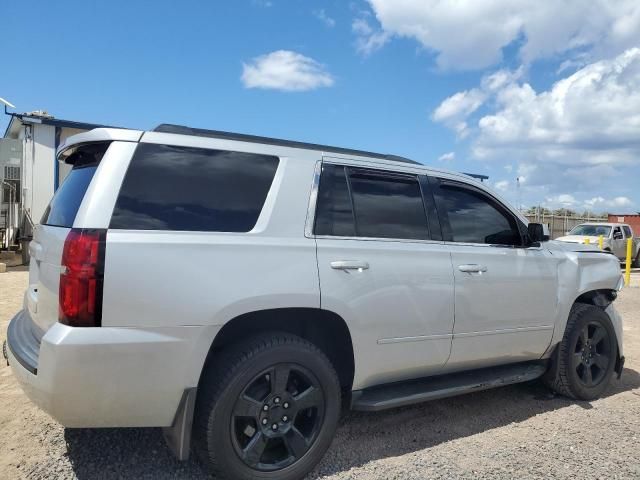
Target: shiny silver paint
[413, 308]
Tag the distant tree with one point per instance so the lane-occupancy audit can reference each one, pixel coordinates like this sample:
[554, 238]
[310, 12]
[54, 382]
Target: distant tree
[564, 212]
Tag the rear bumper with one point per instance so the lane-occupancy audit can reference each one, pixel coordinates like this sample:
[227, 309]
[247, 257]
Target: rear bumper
[107, 376]
[22, 342]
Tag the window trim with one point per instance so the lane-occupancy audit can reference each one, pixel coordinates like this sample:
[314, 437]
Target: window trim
[421, 178]
[447, 235]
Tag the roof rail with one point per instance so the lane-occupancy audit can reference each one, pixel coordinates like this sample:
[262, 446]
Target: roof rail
[199, 132]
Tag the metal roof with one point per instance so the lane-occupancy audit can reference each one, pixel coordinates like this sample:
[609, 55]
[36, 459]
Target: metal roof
[182, 130]
[56, 122]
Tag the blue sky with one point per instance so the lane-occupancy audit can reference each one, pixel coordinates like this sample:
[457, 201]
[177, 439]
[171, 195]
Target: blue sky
[545, 92]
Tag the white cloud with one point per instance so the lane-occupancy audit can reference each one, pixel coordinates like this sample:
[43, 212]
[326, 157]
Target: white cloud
[565, 200]
[285, 70]
[324, 18]
[588, 121]
[368, 38]
[447, 157]
[582, 135]
[469, 34]
[600, 202]
[593, 115]
[502, 185]
[454, 110]
[459, 105]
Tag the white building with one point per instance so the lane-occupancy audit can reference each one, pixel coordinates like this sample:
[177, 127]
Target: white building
[29, 172]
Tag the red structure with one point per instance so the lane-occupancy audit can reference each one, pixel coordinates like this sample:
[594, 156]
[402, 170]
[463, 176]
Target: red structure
[633, 220]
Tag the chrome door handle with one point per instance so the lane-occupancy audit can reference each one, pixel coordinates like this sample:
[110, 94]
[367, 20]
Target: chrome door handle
[349, 265]
[472, 268]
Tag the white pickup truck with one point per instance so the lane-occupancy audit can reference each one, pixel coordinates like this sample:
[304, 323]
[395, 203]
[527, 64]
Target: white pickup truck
[614, 235]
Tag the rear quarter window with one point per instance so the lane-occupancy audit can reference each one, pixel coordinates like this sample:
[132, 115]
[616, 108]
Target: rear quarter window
[64, 205]
[193, 189]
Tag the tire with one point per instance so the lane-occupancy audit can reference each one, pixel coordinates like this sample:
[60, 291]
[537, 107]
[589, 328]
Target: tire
[636, 261]
[587, 354]
[276, 378]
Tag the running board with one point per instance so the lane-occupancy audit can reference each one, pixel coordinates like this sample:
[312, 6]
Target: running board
[399, 394]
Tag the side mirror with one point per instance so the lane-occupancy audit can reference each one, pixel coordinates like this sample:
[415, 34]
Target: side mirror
[617, 235]
[536, 232]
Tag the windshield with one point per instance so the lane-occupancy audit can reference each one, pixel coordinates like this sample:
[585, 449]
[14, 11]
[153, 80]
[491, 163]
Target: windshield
[591, 230]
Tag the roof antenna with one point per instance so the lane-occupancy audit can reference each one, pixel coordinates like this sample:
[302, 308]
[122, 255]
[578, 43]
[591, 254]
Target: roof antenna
[7, 104]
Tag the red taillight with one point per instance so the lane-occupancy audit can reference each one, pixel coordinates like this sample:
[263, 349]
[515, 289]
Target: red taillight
[81, 278]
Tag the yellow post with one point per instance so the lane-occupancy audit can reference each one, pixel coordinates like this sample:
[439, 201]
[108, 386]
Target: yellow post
[587, 241]
[627, 267]
[600, 242]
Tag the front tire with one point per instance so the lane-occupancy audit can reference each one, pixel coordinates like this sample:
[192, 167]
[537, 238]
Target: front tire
[587, 354]
[266, 409]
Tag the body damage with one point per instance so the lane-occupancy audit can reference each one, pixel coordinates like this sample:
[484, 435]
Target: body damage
[582, 269]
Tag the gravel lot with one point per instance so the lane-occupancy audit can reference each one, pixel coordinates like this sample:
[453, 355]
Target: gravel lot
[514, 431]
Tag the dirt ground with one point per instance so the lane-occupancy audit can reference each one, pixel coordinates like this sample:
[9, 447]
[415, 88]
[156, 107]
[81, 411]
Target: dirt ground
[519, 431]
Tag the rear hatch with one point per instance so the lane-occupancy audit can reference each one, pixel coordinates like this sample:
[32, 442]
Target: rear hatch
[41, 298]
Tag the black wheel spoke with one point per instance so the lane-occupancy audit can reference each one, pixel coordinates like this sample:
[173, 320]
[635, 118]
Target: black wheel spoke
[601, 361]
[311, 397]
[576, 359]
[296, 443]
[279, 379]
[255, 448]
[587, 376]
[598, 335]
[247, 407]
[584, 336]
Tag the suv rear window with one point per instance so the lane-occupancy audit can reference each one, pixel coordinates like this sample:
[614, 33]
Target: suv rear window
[193, 189]
[64, 205]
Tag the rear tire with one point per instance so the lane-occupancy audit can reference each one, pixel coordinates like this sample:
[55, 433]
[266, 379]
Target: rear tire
[636, 261]
[587, 354]
[266, 409]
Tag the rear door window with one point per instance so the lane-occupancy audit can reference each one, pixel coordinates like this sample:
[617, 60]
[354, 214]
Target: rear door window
[334, 215]
[193, 189]
[64, 205]
[627, 231]
[388, 205]
[358, 202]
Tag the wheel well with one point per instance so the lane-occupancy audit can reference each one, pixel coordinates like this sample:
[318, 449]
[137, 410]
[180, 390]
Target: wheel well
[599, 298]
[325, 329]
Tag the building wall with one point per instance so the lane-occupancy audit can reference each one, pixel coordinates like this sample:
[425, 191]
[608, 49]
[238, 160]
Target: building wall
[633, 220]
[63, 134]
[39, 149]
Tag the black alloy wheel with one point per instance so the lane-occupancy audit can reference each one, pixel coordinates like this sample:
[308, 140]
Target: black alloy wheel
[267, 408]
[585, 359]
[592, 354]
[277, 417]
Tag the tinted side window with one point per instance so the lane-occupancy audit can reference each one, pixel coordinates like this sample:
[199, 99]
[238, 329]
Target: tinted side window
[334, 215]
[476, 218]
[627, 231]
[64, 205]
[192, 189]
[388, 206]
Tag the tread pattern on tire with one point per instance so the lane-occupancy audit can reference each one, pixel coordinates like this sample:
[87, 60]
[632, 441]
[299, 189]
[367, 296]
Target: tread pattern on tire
[560, 384]
[216, 378]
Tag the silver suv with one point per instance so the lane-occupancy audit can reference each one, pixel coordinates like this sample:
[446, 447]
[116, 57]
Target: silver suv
[239, 291]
